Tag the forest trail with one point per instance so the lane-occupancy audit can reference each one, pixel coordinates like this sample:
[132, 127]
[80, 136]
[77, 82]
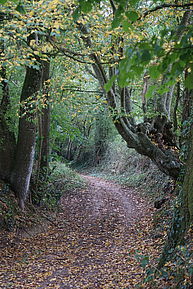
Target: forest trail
[93, 244]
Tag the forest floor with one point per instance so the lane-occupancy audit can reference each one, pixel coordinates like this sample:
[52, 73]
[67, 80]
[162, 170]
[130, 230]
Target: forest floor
[94, 243]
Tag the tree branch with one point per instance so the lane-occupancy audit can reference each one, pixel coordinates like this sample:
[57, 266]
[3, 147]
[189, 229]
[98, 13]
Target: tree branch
[81, 90]
[113, 6]
[91, 72]
[166, 5]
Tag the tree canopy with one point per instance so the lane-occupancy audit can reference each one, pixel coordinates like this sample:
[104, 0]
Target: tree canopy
[71, 70]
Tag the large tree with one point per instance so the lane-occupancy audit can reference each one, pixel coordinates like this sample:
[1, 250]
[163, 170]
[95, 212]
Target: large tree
[17, 159]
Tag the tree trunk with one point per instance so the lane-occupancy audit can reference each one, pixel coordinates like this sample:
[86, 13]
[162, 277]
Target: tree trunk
[7, 138]
[175, 117]
[24, 157]
[69, 150]
[183, 216]
[164, 101]
[187, 189]
[45, 118]
[42, 165]
[7, 149]
[188, 183]
[101, 136]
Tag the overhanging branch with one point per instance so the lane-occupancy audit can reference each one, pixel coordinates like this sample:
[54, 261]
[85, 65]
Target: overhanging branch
[166, 5]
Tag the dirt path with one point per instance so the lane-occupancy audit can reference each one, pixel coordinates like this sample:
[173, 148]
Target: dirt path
[103, 200]
[93, 245]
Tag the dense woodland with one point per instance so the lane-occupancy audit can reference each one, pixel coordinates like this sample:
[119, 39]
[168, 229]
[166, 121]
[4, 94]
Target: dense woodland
[77, 75]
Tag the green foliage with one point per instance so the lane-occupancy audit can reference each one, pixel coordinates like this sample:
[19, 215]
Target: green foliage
[143, 260]
[141, 56]
[154, 72]
[84, 7]
[20, 8]
[57, 183]
[132, 15]
[189, 80]
[103, 133]
[128, 168]
[110, 83]
[176, 274]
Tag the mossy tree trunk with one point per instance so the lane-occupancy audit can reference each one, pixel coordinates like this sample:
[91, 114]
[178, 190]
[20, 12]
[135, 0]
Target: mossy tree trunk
[183, 215]
[188, 184]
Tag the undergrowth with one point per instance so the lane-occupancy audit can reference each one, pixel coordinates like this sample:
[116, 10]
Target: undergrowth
[128, 168]
[60, 180]
[175, 274]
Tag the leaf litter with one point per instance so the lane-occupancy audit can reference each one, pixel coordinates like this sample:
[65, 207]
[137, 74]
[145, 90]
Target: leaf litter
[100, 231]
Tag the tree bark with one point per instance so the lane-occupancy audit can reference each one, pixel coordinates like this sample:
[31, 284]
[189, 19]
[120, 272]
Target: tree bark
[188, 184]
[7, 149]
[175, 117]
[183, 215]
[7, 137]
[164, 102]
[24, 157]
[45, 118]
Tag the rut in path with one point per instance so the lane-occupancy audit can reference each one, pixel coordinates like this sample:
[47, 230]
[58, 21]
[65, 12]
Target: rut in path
[93, 245]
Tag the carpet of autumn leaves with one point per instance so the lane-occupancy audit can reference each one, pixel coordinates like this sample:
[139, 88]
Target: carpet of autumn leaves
[91, 244]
